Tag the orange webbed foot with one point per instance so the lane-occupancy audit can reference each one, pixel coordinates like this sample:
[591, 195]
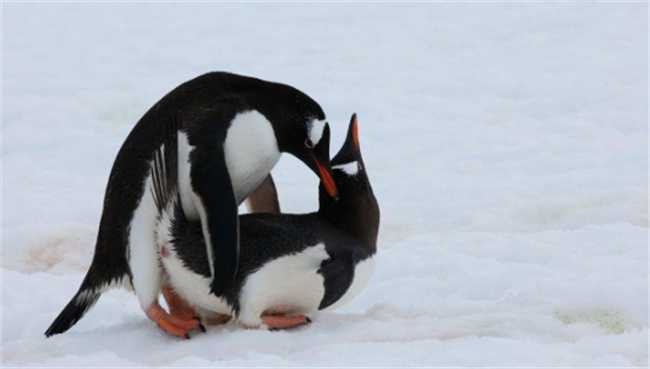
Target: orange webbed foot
[279, 321]
[171, 324]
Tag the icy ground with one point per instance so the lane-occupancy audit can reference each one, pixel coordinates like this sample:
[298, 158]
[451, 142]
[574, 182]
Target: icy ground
[507, 145]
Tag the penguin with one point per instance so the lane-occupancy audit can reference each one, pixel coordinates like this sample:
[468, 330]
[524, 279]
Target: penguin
[291, 265]
[224, 132]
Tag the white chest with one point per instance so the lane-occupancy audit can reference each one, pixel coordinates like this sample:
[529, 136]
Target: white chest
[251, 151]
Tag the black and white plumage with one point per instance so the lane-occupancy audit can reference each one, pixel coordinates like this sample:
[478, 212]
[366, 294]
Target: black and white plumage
[227, 132]
[289, 263]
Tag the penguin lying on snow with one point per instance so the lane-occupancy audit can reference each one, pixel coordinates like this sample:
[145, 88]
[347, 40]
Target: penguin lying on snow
[290, 265]
[224, 133]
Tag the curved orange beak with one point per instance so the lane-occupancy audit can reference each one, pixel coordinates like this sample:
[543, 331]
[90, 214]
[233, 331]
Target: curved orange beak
[326, 177]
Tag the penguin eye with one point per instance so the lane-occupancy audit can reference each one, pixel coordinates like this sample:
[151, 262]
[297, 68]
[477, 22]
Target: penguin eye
[308, 144]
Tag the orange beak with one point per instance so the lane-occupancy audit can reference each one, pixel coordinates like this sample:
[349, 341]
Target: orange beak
[354, 129]
[326, 178]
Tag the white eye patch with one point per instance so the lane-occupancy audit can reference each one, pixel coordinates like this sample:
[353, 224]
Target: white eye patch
[315, 130]
[351, 168]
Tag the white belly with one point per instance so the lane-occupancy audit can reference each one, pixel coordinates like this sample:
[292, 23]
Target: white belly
[288, 284]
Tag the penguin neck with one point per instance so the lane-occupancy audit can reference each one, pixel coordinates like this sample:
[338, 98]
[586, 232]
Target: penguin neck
[357, 216]
[281, 125]
[286, 108]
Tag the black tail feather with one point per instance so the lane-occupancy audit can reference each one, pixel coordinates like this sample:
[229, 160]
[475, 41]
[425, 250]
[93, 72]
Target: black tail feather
[92, 287]
[83, 300]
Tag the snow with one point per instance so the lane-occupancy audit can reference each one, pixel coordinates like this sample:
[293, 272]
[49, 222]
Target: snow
[507, 146]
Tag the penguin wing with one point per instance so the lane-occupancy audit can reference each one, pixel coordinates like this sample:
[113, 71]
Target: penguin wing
[338, 273]
[217, 205]
[214, 196]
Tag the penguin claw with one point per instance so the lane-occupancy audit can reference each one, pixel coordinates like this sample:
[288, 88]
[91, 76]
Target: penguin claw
[201, 326]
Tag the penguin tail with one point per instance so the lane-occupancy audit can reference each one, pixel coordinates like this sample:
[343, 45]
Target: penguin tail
[73, 311]
[82, 301]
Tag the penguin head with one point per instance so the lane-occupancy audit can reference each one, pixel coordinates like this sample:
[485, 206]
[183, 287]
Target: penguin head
[314, 152]
[305, 133]
[356, 210]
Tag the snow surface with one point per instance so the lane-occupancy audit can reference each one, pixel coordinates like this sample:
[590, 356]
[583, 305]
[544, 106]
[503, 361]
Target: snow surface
[507, 145]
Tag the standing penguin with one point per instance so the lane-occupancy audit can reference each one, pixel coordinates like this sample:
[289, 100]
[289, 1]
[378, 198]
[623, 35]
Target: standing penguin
[290, 264]
[227, 132]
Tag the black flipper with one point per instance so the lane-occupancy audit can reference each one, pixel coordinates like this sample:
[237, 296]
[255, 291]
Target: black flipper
[219, 220]
[338, 273]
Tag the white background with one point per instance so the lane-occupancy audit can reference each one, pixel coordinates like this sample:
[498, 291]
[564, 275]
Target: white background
[507, 146]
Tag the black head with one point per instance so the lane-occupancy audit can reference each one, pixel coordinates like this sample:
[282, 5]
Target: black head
[356, 210]
[301, 129]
